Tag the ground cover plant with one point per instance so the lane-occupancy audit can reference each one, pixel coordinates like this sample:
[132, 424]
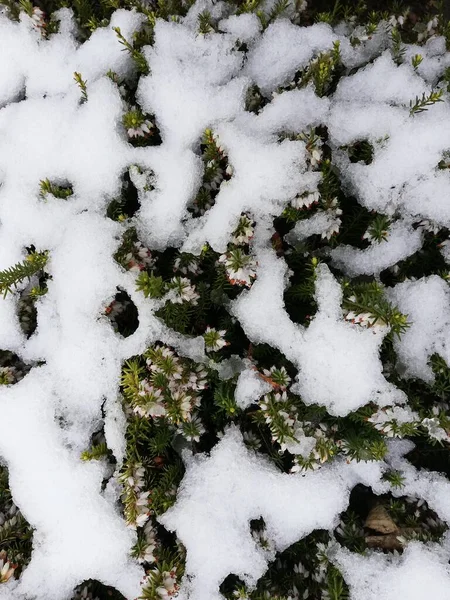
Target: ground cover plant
[225, 312]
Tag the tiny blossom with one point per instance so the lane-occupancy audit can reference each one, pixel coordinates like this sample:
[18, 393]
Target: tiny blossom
[38, 18]
[252, 440]
[394, 21]
[138, 259]
[244, 231]
[429, 226]
[214, 340]
[261, 539]
[334, 212]
[388, 420]
[432, 24]
[7, 375]
[85, 594]
[182, 291]
[241, 594]
[134, 477]
[187, 265]
[140, 130]
[192, 429]
[169, 587]
[150, 401]
[306, 200]
[365, 319]
[299, 569]
[316, 156]
[148, 552]
[435, 430]
[372, 237]
[184, 403]
[240, 267]
[214, 183]
[6, 568]
[142, 509]
[279, 376]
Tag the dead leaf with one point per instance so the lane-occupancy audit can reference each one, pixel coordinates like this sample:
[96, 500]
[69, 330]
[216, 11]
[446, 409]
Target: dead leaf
[379, 520]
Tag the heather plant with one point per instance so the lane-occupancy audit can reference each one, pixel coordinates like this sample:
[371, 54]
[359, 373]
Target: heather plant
[224, 360]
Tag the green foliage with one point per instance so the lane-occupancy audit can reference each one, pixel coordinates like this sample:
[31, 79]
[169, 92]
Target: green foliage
[193, 294]
[416, 61]
[33, 264]
[151, 285]
[205, 24]
[422, 104]
[322, 69]
[369, 298]
[58, 191]
[82, 85]
[398, 49]
[96, 452]
[15, 533]
[136, 55]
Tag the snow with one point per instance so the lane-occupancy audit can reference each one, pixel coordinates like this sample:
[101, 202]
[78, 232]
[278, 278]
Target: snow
[427, 304]
[283, 49]
[197, 82]
[215, 505]
[244, 28]
[338, 362]
[250, 387]
[402, 241]
[421, 572]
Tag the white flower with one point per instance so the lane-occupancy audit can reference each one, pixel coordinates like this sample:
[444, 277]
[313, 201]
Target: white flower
[187, 266]
[316, 156]
[435, 430]
[251, 440]
[214, 340]
[240, 267]
[6, 568]
[169, 586]
[152, 403]
[244, 231]
[279, 376]
[192, 429]
[38, 18]
[184, 403]
[306, 200]
[147, 553]
[140, 130]
[182, 291]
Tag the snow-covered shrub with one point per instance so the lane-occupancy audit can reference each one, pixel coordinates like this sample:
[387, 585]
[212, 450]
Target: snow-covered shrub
[225, 322]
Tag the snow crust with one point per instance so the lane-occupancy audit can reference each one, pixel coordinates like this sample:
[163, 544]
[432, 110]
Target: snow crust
[427, 303]
[215, 505]
[198, 82]
[338, 362]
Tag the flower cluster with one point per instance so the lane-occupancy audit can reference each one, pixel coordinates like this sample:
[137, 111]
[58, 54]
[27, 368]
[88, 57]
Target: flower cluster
[6, 568]
[135, 499]
[181, 290]
[138, 258]
[136, 124]
[161, 584]
[170, 387]
[240, 267]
